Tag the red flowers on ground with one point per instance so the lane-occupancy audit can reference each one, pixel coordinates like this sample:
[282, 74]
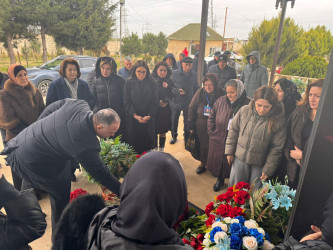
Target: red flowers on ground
[76, 193]
[242, 184]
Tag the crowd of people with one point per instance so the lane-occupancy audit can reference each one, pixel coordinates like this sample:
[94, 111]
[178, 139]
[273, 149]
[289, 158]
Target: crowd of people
[246, 131]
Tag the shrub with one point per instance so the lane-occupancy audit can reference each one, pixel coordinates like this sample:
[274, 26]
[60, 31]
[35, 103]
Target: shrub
[307, 66]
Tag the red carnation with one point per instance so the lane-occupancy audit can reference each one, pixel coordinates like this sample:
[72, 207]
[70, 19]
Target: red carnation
[227, 196]
[239, 200]
[237, 211]
[210, 220]
[244, 194]
[76, 193]
[209, 208]
[137, 156]
[242, 184]
[224, 210]
[200, 237]
[186, 241]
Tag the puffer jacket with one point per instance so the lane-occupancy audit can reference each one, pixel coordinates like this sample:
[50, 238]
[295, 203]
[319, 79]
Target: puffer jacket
[108, 92]
[250, 140]
[24, 221]
[254, 76]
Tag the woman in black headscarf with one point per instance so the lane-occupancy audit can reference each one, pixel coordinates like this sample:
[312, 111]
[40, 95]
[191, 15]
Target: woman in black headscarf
[287, 94]
[153, 196]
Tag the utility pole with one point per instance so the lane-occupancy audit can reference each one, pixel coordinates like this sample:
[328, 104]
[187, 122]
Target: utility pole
[203, 35]
[211, 13]
[283, 5]
[122, 2]
[225, 24]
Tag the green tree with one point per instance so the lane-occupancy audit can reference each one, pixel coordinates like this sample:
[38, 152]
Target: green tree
[162, 44]
[317, 41]
[307, 66]
[44, 16]
[262, 38]
[149, 45]
[84, 24]
[131, 45]
[14, 25]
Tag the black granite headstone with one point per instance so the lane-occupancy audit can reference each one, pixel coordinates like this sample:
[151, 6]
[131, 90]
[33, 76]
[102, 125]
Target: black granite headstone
[316, 179]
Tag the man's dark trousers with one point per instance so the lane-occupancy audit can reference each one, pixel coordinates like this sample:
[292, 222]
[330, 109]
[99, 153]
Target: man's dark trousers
[175, 119]
[58, 187]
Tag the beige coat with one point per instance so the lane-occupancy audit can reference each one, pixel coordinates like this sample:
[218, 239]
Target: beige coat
[250, 140]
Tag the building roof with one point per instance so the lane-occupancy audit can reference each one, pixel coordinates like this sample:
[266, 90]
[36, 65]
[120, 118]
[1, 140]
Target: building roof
[192, 32]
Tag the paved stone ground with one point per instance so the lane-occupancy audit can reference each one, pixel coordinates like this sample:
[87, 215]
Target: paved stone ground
[200, 187]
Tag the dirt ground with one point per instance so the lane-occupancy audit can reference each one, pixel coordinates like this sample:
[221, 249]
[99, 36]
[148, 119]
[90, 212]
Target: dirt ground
[200, 187]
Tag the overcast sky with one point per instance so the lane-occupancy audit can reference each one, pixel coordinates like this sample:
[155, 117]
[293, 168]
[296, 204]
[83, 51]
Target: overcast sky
[170, 15]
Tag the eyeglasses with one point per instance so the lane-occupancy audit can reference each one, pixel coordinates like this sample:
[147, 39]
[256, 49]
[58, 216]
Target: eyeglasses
[141, 72]
[106, 59]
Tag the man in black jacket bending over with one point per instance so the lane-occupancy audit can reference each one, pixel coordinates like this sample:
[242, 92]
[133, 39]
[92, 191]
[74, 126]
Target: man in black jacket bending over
[66, 129]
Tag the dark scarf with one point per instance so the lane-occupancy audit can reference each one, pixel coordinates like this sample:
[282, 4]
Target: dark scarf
[153, 196]
[236, 105]
[291, 96]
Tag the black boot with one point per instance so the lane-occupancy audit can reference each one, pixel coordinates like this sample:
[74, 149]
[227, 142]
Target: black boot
[218, 185]
[161, 144]
[173, 140]
[200, 169]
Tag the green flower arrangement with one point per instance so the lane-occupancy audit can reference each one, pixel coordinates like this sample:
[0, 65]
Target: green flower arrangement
[117, 156]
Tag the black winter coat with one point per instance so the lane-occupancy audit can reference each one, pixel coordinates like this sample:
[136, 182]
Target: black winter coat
[24, 221]
[58, 90]
[108, 93]
[141, 98]
[295, 125]
[64, 131]
[188, 83]
[224, 75]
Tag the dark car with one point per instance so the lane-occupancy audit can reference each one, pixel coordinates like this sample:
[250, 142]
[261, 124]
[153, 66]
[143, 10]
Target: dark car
[43, 75]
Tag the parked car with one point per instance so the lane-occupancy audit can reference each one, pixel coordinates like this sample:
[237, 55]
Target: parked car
[43, 75]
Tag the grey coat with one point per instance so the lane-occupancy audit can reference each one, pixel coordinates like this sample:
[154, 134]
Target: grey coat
[254, 76]
[224, 75]
[250, 140]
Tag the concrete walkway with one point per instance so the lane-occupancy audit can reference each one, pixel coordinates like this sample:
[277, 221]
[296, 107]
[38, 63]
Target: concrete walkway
[200, 187]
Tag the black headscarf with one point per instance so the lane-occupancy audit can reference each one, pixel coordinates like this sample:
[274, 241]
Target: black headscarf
[291, 95]
[153, 196]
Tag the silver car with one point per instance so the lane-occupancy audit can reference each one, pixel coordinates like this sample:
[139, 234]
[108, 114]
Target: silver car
[43, 75]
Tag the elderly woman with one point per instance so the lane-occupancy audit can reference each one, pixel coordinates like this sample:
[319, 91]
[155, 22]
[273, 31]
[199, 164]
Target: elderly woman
[69, 85]
[108, 90]
[157, 179]
[256, 138]
[223, 111]
[166, 91]
[141, 100]
[20, 105]
[299, 128]
[287, 94]
[198, 112]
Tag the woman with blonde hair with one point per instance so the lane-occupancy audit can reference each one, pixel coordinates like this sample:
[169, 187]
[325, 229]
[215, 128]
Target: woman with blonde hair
[256, 138]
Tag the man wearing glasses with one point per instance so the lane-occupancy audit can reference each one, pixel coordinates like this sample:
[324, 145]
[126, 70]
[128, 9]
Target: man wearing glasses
[254, 75]
[185, 80]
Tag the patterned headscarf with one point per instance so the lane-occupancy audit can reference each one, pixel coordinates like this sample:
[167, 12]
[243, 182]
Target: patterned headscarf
[291, 95]
[238, 85]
